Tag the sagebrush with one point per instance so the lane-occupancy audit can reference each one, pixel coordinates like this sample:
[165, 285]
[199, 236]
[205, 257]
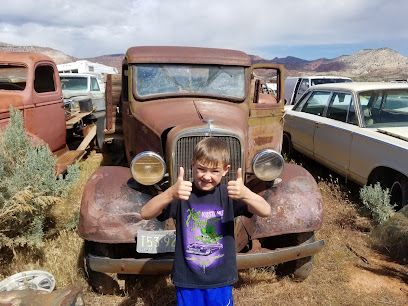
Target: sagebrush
[28, 186]
[378, 201]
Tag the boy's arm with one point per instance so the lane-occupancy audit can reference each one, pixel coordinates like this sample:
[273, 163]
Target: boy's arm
[256, 204]
[180, 190]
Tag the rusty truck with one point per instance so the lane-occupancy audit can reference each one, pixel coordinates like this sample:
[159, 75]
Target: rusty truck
[30, 83]
[171, 98]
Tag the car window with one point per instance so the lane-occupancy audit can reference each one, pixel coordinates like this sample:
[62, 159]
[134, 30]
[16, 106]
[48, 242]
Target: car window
[94, 85]
[316, 103]
[339, 107]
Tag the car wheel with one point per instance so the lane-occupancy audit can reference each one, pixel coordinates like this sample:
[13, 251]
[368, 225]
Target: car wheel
[100, 282]
[301, 268]
[287, 148]
[399, 191]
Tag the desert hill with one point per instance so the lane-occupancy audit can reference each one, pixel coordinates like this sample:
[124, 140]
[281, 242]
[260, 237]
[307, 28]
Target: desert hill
[382, 64]
[58, 56]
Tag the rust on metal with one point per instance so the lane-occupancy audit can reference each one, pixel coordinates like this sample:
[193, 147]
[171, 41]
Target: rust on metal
[110, 208]
[296, 203]
[187, 55]
[62, 297]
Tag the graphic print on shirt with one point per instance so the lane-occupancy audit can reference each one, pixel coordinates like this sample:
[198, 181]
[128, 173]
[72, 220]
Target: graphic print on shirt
[203, 239]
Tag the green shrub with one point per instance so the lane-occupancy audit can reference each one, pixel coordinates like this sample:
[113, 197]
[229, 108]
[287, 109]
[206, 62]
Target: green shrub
[28, 186]
[392, 236]
[377, 200]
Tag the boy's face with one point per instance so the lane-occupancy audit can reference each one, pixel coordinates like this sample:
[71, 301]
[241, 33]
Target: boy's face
[207, 177]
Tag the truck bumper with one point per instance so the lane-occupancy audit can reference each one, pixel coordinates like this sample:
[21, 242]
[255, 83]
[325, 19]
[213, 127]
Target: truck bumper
[163, 266]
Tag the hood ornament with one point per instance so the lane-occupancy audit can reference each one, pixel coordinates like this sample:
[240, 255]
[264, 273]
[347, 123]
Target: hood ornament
[209, 126]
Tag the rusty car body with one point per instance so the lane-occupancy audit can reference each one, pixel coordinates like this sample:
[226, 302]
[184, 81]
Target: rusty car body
[171, 98]
[30, 83]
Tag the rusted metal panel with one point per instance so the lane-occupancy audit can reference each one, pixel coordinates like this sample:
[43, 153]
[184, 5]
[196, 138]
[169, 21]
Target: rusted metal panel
[296, 204]
[61, 297]
[164, 265]
[187, 55]
[110, 209]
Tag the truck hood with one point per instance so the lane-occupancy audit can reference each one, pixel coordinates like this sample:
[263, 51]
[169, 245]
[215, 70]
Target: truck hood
[162, 115]
[67, 94]
[398, 132]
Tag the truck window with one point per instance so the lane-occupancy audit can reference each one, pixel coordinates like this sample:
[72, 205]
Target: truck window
[74, 83]
[44, 79]
[13, 77]
[94, 85]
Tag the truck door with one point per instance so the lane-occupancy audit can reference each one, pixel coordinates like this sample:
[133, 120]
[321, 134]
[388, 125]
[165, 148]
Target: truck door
[265, 124]
[47, 118]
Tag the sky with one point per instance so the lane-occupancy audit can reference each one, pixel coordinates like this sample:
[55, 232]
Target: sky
[268, 28]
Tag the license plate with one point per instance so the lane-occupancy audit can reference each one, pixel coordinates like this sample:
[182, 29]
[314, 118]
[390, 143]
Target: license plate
[154, 242]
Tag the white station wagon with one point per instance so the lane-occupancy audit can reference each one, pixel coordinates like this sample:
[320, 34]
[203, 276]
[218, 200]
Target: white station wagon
[359, 130]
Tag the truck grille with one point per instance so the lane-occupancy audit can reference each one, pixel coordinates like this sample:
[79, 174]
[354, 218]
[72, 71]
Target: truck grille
[184, 155]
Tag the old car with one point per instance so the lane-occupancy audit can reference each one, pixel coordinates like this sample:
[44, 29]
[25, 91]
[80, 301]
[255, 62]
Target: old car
[30, 83]
[172, 97]
[359, 130]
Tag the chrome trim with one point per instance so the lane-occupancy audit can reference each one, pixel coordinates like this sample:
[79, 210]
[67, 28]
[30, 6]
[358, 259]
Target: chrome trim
[202, 132]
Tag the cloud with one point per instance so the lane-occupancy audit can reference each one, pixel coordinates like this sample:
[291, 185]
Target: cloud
[93, 28]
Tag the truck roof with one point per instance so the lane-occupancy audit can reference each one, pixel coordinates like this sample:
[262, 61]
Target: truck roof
[187, 55]
[28, 58]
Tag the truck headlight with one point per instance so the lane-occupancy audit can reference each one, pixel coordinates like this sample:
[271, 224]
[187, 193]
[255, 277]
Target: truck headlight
[148, 168]
[267, 165]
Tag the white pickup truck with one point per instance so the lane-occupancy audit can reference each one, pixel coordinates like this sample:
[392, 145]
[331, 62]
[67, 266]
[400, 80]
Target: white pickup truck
[295, 87]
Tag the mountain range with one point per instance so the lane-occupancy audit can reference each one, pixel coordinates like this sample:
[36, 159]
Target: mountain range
[383, 64]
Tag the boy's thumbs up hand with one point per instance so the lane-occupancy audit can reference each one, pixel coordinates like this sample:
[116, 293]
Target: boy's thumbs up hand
[236, 189]
[182, 189]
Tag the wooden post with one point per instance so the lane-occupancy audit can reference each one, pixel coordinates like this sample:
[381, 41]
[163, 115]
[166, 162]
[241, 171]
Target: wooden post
[109, 102]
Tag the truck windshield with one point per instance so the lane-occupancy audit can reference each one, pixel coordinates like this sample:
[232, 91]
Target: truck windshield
[74, 83]
[181, 79]
[13, 77]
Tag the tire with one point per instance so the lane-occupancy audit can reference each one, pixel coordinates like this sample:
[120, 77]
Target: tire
[99, 282]
[399, 191]
[287, 148]
[301, 268]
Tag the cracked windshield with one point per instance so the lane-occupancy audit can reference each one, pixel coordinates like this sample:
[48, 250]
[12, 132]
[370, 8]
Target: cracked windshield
[201, 80]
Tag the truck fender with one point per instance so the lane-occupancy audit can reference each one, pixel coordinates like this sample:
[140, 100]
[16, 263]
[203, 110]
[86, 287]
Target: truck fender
[296, 204]
[110, 207]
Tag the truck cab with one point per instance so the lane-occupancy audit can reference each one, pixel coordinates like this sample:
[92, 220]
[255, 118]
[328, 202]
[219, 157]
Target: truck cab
[30, 83]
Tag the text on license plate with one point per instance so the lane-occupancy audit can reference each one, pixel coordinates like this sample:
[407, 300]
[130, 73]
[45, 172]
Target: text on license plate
[154, 242]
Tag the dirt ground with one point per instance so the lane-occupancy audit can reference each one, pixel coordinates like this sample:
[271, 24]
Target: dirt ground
[348, 271]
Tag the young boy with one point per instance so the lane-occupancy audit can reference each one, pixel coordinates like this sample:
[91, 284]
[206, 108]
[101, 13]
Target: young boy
[205, 260]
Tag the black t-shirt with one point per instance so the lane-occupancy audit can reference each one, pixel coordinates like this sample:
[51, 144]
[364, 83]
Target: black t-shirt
[205, 246]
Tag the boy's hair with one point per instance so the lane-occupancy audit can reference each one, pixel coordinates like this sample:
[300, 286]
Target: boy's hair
[212, 151]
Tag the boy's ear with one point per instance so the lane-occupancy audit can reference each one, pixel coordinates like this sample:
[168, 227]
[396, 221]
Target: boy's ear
[225, 169]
